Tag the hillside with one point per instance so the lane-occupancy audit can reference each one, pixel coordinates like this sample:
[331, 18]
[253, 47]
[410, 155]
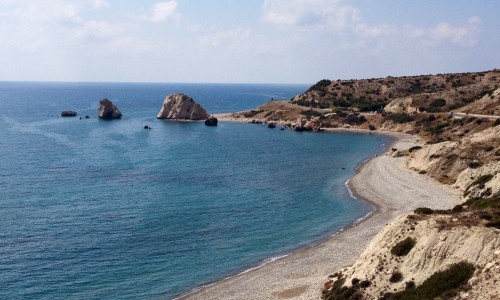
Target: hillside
[431, 93]
[458, 118]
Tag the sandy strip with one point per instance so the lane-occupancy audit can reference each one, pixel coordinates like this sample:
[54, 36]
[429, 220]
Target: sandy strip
[385, 182]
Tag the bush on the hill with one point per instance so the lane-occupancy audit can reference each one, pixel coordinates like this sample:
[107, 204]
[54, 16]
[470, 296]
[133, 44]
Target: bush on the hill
[423, 211]
[438, 103]
[399, 118]
[320, 85]
[403, 247]
[396, 277]
[443, 284]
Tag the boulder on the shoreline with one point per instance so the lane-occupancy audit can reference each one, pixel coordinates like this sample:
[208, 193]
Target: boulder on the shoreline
[108, 111]
[69, 113]
[211, 121]
[271, 125]
[182, 107]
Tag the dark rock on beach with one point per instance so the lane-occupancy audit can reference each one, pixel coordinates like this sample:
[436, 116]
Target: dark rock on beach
[108, 111]
[211, 121]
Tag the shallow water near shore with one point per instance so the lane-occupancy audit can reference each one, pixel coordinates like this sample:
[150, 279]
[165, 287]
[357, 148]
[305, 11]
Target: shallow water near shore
[106, 210]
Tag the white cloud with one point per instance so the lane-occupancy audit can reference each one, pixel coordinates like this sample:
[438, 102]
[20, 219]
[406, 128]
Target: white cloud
[332, 15]
[465, 35]
[227, 37]
[163, 11]
[98, 4]
[98, 30]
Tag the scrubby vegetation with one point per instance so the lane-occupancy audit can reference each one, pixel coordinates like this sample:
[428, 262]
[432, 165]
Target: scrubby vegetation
[396, 277]
[399, 118]
[444, 284]
[432, 93]
[403, 247]
[488, 209]
[423, 211]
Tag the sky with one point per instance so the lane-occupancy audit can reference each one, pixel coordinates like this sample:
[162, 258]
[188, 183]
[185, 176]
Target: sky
[244, 41]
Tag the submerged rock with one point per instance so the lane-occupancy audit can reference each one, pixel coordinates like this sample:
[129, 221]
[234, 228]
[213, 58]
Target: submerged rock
[211, 121]
[108, 111]
[68, 113]
[181, 107]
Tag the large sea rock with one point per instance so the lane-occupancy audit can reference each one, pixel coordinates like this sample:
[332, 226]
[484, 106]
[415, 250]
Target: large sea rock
[108, 111]
[182, 107]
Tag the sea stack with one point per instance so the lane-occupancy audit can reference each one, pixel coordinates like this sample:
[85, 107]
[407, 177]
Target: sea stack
[182, 107]
[108, 111]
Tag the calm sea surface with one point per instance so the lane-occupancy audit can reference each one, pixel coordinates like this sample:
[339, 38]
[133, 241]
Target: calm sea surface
[95, 209]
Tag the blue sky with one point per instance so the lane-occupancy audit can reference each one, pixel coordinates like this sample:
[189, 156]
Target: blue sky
[254, 41]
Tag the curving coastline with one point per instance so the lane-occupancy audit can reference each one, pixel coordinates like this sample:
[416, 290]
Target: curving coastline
[383, 181]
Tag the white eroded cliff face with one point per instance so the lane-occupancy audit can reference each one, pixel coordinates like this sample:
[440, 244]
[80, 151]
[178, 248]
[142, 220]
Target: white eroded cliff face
[182, 107]
[471, 165]
[441, 240]
[401, 105]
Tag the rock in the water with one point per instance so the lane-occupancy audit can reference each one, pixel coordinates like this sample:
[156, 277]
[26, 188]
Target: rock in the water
[271, 125]
[68, 113]
[211, 121]
[108, 111]
[182, 107]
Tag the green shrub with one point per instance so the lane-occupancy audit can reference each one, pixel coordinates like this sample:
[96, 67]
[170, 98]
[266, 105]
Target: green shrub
[410, 285]
[372, 127]
[497, 122]
[399, 118]
[403, 247]
[423, 211]
[422, 172]
[474, 164]
[396, 277]
[320, 85]
[438, 103]
[457, 208]
[365, 283]
[481, 181]
[440, 284]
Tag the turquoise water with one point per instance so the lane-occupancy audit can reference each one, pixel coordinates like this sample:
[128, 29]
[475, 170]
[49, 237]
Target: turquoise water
[107, 210]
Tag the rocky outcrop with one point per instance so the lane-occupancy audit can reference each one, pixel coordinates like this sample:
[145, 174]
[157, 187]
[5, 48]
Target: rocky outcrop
[440, 240]
[182, 107]
[68, 113]
[211, 121]
[108, 111]
[401, 105]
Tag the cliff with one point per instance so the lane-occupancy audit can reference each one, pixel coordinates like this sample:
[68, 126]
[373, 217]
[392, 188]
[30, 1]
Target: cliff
[439, 241]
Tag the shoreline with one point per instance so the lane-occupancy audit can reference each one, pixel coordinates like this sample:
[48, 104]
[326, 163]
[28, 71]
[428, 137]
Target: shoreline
[301, 274]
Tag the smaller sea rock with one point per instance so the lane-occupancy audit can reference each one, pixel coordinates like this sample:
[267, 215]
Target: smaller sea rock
[211, 121]
[108, 111]
[68, 113]
[271, 125]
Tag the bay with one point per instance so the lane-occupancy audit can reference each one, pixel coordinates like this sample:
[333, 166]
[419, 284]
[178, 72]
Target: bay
[93, 209]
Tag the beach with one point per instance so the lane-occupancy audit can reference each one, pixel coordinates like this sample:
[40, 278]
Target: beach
[383, 181]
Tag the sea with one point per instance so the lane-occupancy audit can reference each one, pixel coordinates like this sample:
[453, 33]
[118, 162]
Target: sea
[93, 209]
